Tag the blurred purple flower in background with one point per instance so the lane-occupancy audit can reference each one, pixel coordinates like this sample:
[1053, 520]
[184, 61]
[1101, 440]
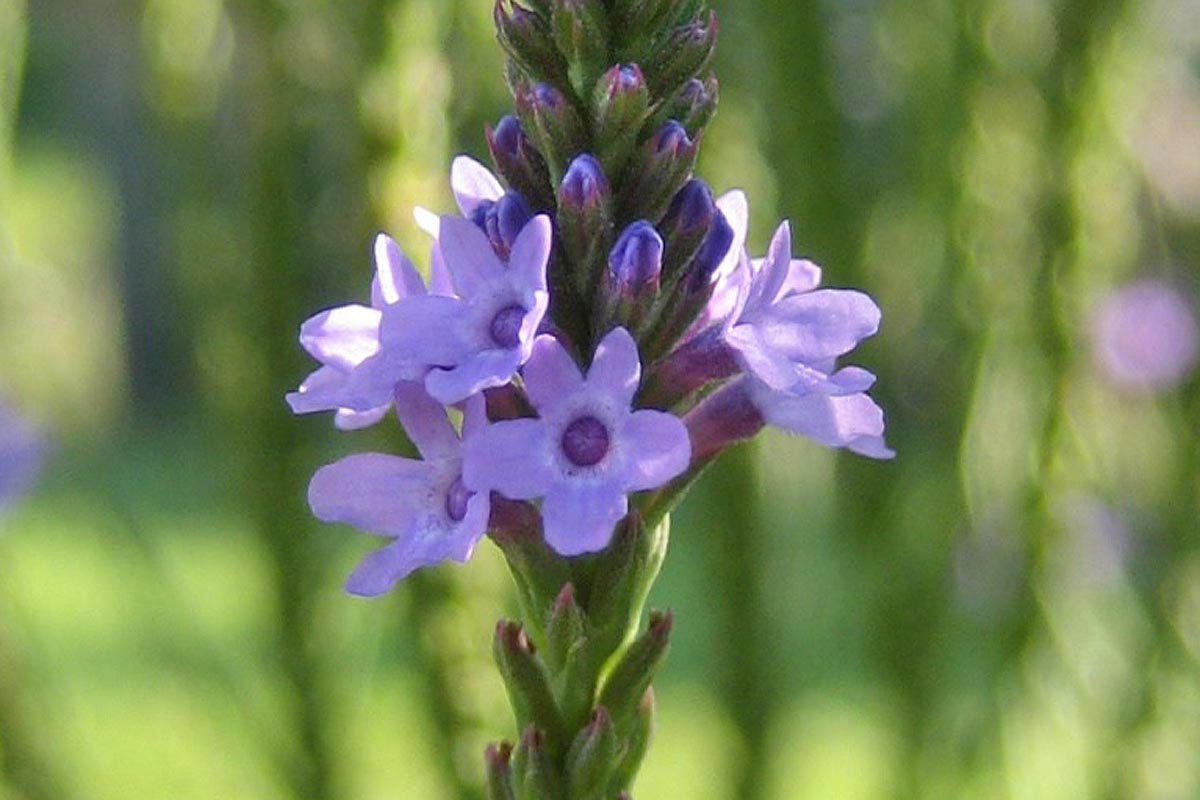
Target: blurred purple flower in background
[22, 450]
[1144, 336]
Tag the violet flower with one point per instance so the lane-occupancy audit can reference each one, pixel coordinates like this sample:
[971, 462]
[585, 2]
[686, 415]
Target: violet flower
[22, 450]
[1144, 336]
[586, 450]
[422, 505]
[343, 338]
[478, 339]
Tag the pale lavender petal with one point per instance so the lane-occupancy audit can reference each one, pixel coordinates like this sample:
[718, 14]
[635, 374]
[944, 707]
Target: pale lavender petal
[616, 368]
[774, 269]
[323, 390]
[347, 420]
[579, 517]
[760, 359]
[395, 275]
[425, 422]
[513, 458]
[473, 264]
[439, 275]
[658, 449]
[474, 410]
[381, 494]
[342, 337]
[530, 253]
[430, 329]
[803, 276]
[372, 383]
[550, 374]
[380, 570]
[736, 209]
[473, 184]
[819, 325]
[853, 421]
[850, 380]
[483, 370]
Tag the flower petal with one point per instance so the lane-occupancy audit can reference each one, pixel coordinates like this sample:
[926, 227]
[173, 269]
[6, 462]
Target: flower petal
[819, 325]
[616, 369]
[430, 329]
[513, 458]
[380, 570]
[774, 270]
[477, 372]
[853, 421]
[658, 449]
[530, 254]
[395, 275]
[475, 419]
[347, 420]
[469, 256]
[377, 493]
[550, 374]
[579, 517]
[323, 390]
[736, 209]
[472, 184]
[760, 359]
[425, 422]
[466, 534]
[372, 383]
[342, 337]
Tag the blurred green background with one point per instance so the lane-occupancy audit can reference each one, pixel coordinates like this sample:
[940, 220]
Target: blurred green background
[1010, 609]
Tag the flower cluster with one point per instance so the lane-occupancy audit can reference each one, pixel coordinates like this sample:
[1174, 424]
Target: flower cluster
[591, 315]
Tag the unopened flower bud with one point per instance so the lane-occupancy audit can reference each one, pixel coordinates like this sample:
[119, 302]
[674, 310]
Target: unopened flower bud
[663, 164]
[526, 38]
[504, 220]
[693, 105]
[623, 691]
[498, 763]
[526, 679]
[620, 104]
[686, 224]
[710, 255]
[559, 131]
[534, 771]
[592, 759]
[519, 162]
[686, 52]
[632, 280]
[585, 220]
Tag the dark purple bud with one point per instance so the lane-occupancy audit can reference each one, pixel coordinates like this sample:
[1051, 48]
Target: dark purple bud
[504, 221]
[508, 138]
[636, 258]
[584, 185]
[620, 105]
[559, 130]
[686, 224]
[693, 105]
[480, 215]
[550, 99]
[712, 251]
[662, 165]
[519, 163]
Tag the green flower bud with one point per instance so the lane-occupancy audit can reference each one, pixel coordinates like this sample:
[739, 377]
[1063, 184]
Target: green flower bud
[527, 682]
[527, 39]
[499, 782]
[592, 760]
[626, 686]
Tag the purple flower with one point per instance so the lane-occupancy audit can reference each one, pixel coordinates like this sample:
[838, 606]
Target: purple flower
[586, 450]
[22, 450]
[787, 335]
[343, 338]
[1144, 336]
[478, 339]
[422, 505]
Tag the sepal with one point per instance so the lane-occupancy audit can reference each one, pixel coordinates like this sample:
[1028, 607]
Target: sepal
[620, 105]
[682, 55]
[527, 39]
[693, 105]
[637, 741]
[581, 31]
[538, 571]
[622, 582]
[534, 771]
[662, 164]
[519, 162]
[528, 683]
[626, 685]
[593, 758]
[498, 783]
[554, 124]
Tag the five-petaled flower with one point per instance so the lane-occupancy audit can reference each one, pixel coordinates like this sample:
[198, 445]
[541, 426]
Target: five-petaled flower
[422, 505]
[586, 450]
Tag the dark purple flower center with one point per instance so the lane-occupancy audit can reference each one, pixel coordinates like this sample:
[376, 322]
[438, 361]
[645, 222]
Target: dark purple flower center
[506, 326]
[585, 442]
[457, 497]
